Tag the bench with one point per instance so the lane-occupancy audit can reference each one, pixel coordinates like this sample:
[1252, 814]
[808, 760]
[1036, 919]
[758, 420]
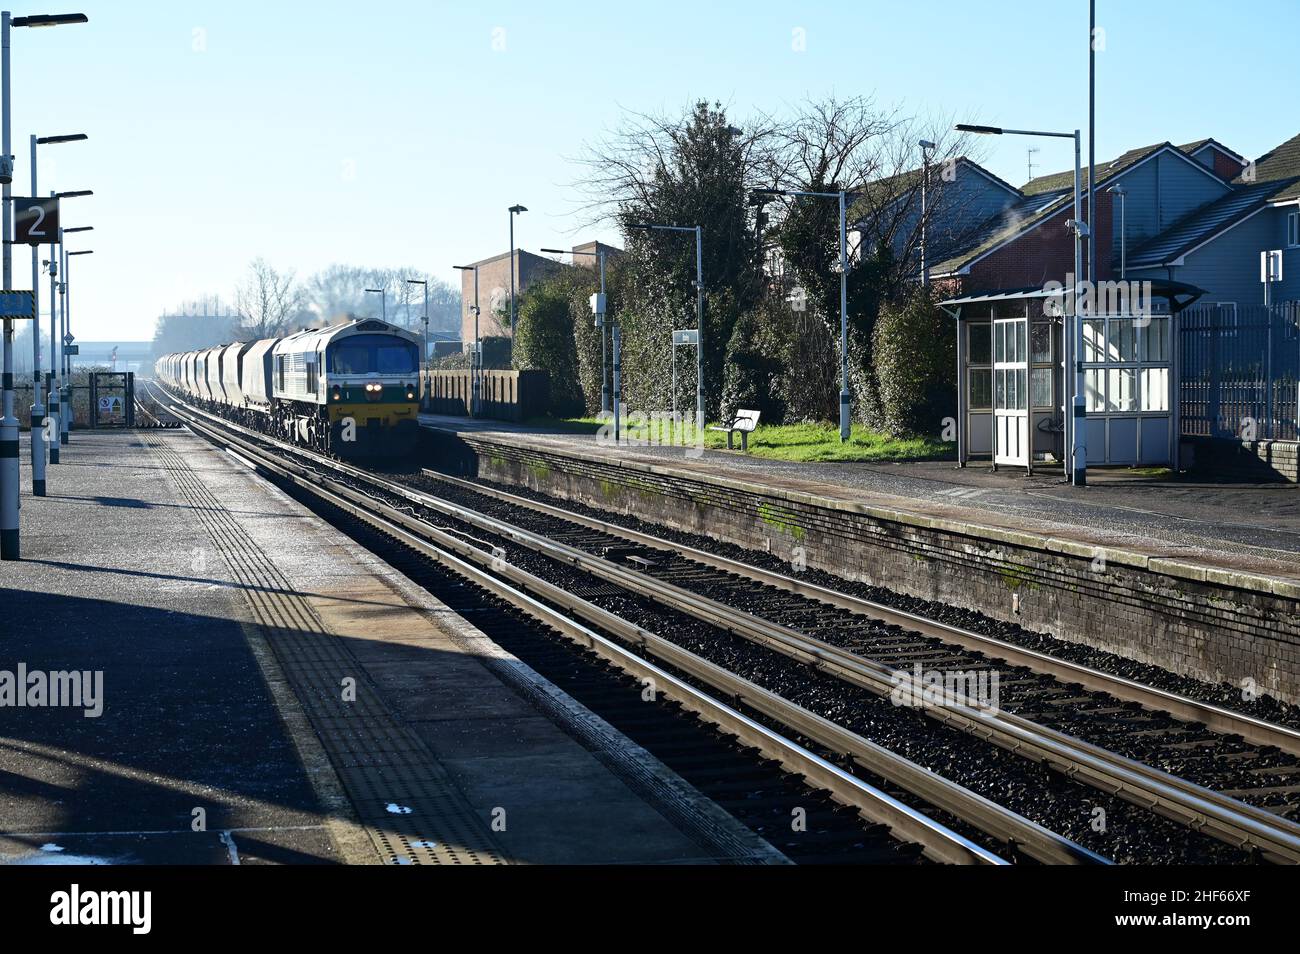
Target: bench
[743, 422]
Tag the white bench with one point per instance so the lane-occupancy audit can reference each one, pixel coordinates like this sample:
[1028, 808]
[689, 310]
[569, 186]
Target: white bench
[742, 423]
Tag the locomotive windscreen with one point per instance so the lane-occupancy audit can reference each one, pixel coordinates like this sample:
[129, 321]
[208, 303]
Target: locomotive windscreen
[373, 354]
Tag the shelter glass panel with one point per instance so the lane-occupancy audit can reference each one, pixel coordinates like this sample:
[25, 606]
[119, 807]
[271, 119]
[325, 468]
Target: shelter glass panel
[1155, 389]
[1040, 341]
[981, 348]
[1120, 395]
[1094, 387]
[1094, 339]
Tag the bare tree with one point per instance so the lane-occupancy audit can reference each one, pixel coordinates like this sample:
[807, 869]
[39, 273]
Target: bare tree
[648, 155]
[338, 293]
[267, 300]
[875, 156]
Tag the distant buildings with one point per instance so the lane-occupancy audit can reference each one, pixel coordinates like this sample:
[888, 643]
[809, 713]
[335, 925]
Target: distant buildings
[494, 286]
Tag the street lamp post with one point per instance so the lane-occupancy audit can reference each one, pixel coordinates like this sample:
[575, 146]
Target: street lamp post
[1075, 416]
[476, 359]
[67, 315]
[425, 363]
[926, 148]
[514, 210]
[842, 197]
[65, 318]
[9, 471]
[38, 422]
[699, 314]
[56, 359]
[383, 300]
[66, 421]
[67, 300]
[600, 314]
[38, 405]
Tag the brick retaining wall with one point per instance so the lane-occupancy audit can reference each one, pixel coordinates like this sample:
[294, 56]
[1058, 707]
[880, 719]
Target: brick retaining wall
[1204, 622]
[1249, 460]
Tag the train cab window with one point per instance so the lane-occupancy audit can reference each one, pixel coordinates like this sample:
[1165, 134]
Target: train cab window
[396, 358]
[373, 354]
[311, 374]
[279, 371]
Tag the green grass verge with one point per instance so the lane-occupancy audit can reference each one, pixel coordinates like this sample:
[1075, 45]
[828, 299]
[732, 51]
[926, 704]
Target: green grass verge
[794, 442]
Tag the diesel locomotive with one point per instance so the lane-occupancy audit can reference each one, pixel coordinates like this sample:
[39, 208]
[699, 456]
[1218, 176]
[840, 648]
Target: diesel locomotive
[350, 390]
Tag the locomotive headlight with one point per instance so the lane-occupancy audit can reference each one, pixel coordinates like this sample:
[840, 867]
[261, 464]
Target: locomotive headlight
[338, 395]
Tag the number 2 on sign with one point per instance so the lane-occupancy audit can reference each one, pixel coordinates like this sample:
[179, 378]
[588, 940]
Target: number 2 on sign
[36, 231]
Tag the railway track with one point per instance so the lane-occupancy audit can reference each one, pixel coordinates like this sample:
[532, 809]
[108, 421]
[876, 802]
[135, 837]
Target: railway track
[752, 770]
[685, 555]
[149, 413]
[472, 536]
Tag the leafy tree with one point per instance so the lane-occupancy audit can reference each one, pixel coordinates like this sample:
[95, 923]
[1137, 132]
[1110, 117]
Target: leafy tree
[915, 360]
[756, 377]
[544, 339]
[696, 169]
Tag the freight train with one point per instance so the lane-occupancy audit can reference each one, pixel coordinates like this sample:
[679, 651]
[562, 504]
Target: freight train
[350, 390]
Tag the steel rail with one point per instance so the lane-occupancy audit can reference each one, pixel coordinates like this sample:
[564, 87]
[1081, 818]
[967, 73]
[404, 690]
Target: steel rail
[1227, 819]
[1219, 816]
[1217, 718]
[939, 842]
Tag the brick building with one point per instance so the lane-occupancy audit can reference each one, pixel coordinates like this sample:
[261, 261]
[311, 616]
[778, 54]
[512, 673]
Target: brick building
[494, 286]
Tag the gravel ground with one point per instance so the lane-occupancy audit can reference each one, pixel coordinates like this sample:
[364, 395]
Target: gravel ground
[1227, 695]
[1131, 835]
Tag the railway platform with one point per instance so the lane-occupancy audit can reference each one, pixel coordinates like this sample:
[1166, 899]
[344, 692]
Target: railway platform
[1246, 527]
[254, 687]
[1200, 579]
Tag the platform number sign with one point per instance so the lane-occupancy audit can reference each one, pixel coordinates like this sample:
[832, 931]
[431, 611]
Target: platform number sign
[36, 221]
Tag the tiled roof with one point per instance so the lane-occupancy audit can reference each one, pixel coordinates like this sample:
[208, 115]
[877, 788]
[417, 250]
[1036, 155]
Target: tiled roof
[1282, 162]
[885, 189]
[1209, 220]
[1065, 180]
[1006, 224]
[1058, 181]
[1192, 147]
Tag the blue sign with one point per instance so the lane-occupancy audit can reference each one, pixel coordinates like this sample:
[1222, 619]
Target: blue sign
[17, 304]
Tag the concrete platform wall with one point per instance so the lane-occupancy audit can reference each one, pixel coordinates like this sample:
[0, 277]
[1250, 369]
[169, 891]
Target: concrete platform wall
[1197, 621]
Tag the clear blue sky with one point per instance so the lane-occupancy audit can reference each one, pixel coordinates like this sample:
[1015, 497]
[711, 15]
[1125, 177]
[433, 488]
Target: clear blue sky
[395, 133]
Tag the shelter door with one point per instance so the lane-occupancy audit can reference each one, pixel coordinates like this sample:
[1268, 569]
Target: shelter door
[1011, 391]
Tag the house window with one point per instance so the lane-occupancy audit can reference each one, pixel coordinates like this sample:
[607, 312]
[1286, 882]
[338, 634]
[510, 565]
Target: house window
[1293, 230]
